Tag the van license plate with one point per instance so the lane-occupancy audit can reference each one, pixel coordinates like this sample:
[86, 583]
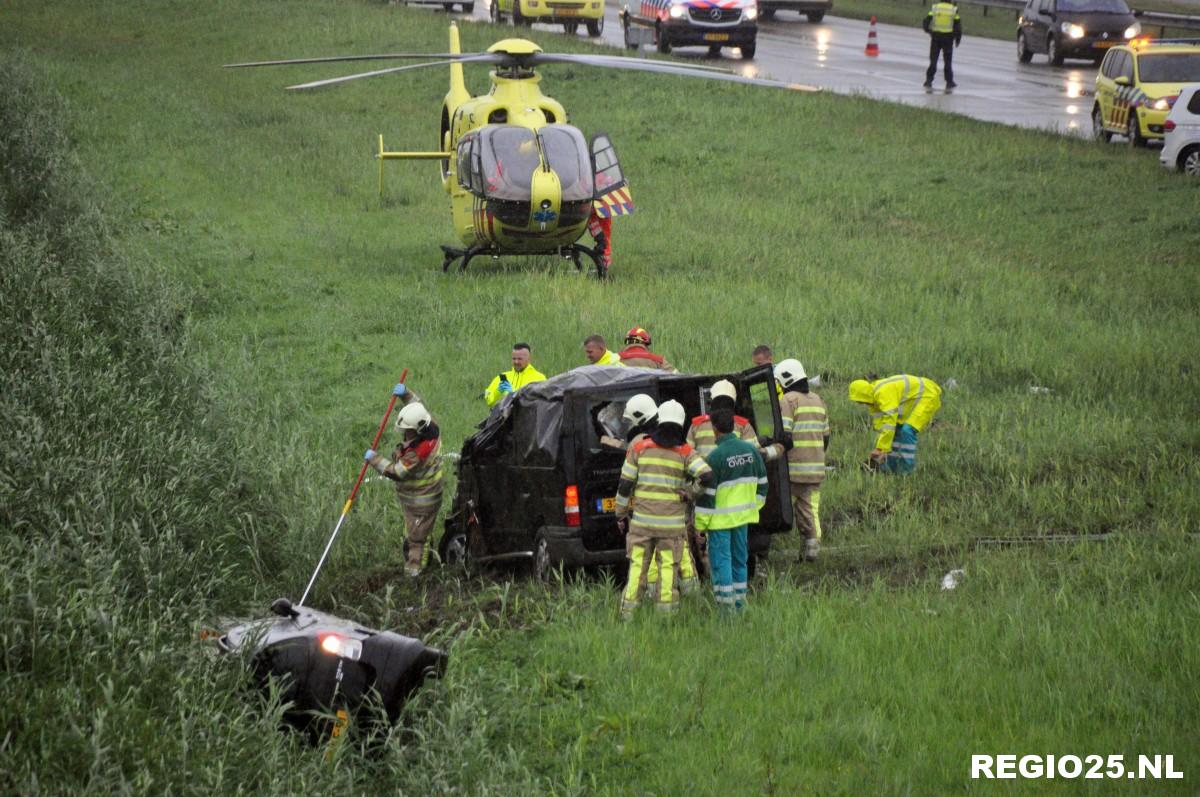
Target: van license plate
[716, 37]
[564, 12]
[606, 504]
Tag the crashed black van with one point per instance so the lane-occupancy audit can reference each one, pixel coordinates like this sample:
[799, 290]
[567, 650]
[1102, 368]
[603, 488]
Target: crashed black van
[536, 485]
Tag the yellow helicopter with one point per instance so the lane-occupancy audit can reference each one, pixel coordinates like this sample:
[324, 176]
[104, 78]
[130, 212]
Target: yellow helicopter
[521, 179]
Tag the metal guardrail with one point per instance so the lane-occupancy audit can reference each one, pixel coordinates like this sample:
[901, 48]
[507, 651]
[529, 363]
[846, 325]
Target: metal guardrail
[1158, 19]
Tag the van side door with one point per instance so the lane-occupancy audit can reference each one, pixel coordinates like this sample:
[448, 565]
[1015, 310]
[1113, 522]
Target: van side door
[758, 400]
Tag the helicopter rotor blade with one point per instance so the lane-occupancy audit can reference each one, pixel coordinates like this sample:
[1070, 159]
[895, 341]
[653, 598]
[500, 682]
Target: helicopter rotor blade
[336, 58]
[665, 67]
[480, 58]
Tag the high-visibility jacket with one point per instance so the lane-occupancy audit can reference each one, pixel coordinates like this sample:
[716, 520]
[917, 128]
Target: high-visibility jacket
[518, 380]
[703, 437]
[636, 356]
[807, 423]
[609, 358]
[740, 490]
[416, 469]
[897, 400]
[654, 480]
[942, 18]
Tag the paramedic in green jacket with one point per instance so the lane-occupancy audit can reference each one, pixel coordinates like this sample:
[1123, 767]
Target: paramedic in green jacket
[724, 510]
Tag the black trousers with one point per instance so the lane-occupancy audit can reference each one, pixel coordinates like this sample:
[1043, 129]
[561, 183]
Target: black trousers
[944, 44]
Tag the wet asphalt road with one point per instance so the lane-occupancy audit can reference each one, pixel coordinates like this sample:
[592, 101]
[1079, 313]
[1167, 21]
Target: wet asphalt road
[992, 84]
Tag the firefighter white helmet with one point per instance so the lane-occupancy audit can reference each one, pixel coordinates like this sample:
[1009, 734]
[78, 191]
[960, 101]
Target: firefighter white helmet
[789, 372]
[672, 412]
[413, 417]
[641, 407]
[724, 388]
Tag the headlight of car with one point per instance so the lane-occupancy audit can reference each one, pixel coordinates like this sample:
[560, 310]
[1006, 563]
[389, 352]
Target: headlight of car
[1073, 30]
[678, 11]
[337, 645]
[750, 13]
[1133, 30]
[1161, 104]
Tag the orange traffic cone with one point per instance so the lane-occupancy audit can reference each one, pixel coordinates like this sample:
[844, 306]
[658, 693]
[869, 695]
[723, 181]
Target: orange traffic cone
[872, 42]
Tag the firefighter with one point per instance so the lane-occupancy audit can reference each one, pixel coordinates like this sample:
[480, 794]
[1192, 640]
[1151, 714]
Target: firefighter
[416, 468]
[637, 354]
[724, 511]
[600, 228]
[805, 439]
[901, 406]
[522, 374]
[597, 353]
[944, 27]
[651, 504]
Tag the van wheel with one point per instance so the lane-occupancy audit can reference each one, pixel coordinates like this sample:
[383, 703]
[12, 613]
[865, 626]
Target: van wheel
[1053, 52]
[1133, 131]
[594, 27]
[1024, 54]
[815, 16]
[747, 51]
[1098, 130]
[495, 14]
[1189, 161]
[542, 568]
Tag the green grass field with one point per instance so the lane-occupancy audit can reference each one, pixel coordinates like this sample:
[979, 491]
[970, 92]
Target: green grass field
[200, 338]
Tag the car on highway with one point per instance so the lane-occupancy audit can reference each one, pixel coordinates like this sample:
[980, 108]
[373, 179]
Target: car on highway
[1138, 83]
[694, 23]
[1073, 28]
[537, 483]
[568, 13]
[815, 10]
[1181, 141]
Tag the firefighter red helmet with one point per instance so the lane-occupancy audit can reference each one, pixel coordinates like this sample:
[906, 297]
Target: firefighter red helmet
[637, 335]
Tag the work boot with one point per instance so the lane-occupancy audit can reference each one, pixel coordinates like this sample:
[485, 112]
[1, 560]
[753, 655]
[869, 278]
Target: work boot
[812, 547]
[627, 607]
[412, 571]
[951, 85]
[928, 84]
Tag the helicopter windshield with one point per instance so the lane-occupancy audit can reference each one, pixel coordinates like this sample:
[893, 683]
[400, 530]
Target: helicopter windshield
[567, 153]
[510, 156]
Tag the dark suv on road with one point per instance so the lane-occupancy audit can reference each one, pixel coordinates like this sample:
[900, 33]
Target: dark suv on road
[536, 485]
[1073, 28]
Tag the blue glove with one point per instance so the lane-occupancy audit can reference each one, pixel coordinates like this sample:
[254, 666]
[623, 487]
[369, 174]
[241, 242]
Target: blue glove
[505, 385]
[399, 389]
[370, 455]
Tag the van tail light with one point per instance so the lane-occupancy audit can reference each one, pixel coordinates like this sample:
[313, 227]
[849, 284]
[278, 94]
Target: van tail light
[571, 503]
[1168, 125]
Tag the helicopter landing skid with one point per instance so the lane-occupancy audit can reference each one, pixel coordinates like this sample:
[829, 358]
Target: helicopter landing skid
[452, 254]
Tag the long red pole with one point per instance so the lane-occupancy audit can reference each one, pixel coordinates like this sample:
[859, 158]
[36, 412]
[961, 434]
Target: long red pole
[350, 501]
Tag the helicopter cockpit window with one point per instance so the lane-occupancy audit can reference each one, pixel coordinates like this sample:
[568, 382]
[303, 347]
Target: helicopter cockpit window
[468, 172]
[566, 153]
[510, 156]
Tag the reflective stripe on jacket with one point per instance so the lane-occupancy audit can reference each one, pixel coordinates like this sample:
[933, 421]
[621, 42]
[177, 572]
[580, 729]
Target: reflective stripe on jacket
[740, 490]
[660, 478]
[942, 17]
[518, 380]
[896, 400]
[807, 422]
[703, 437]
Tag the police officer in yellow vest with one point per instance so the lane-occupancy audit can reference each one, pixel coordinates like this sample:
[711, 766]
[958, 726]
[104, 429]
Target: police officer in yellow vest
[944, 27]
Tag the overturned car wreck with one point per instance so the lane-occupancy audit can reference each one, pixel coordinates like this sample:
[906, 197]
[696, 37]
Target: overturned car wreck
[330, 667]
[537, 484]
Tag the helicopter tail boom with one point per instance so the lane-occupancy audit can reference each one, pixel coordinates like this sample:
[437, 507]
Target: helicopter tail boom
[458, 93]
[384, 155]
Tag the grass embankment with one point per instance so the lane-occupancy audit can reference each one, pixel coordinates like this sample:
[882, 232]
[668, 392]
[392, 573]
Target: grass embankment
[993, 23]
[855, 235]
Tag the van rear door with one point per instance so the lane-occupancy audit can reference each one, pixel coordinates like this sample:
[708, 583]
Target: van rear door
[597, 468]
[759, 384]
